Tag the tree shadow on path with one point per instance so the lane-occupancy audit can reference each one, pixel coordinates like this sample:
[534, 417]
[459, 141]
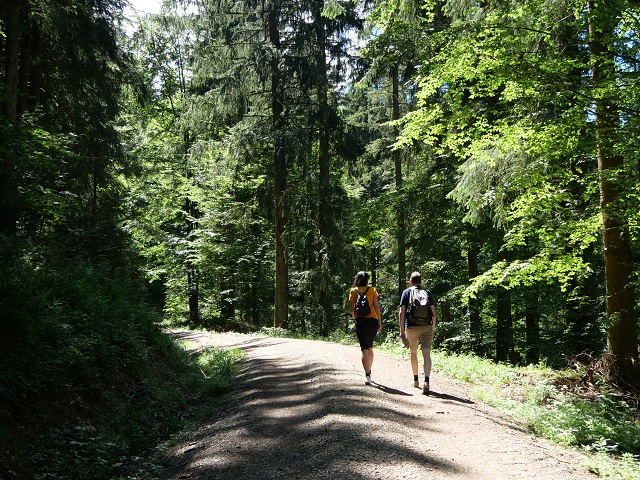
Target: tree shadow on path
[389, 390]
[446, 396]
[294, 419]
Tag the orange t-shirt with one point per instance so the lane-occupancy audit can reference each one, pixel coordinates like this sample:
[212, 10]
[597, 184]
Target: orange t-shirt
[371, 294]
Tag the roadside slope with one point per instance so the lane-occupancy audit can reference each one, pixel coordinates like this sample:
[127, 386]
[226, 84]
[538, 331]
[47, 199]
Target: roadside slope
[301, 410]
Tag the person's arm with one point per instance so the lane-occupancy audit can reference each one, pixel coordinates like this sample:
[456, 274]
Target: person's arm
[433, 310]
[352, 301]
[376, 306]
[401, 314]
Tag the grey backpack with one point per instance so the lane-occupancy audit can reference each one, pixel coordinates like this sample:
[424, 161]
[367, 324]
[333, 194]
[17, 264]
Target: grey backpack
[419, 309]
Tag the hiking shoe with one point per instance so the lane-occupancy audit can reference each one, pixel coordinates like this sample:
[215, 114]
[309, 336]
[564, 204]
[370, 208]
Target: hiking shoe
[367, 380]
[416, 384]
[425, 388]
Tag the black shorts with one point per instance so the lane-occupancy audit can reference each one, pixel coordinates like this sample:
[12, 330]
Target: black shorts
[366, 329]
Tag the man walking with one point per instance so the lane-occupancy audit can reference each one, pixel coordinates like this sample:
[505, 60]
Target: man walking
[417, 319]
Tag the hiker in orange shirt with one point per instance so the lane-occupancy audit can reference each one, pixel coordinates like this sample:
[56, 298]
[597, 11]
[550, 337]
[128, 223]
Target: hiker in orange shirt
[365, 309]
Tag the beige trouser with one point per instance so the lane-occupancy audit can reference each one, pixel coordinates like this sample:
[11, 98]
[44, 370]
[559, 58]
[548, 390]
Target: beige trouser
[424, 335]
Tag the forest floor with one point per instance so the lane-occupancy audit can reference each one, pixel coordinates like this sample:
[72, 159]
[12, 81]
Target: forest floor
[300, 410]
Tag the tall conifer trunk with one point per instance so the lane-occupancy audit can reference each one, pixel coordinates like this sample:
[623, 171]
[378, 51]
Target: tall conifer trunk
[400, 207]
[622, 338]
[279, 174]
[324, 210]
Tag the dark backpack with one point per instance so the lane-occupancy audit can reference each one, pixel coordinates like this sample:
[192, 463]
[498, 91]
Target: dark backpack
[419, 309]
[363, 309]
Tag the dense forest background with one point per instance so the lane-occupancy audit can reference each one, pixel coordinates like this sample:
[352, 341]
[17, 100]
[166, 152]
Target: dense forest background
[234, 164]
[248, 158]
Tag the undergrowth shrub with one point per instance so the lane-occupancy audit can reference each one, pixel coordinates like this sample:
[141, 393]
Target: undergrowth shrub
[88, 378]
[219, 369]
[279, 332]
[600, 423]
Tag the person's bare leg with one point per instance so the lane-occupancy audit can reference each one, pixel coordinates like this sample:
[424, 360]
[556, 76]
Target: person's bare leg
[414, 360]
[413, 355]
[426, 355]
[367, 360]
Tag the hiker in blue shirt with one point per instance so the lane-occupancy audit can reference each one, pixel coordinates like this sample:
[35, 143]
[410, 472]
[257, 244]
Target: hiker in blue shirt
[417, 319]
[365, 309]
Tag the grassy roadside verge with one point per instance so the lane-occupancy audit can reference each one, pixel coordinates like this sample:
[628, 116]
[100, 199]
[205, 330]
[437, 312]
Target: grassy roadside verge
[574, 408]
[560, 406]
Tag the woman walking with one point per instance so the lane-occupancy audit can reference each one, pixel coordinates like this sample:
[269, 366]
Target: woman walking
[365, 309]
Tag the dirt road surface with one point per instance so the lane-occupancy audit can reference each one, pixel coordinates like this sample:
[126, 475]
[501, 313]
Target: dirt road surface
[300, 410]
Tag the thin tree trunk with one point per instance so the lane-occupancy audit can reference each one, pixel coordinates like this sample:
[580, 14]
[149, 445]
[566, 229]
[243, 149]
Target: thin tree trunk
[532, 320]
[193, 294]
[324, 210]
[8, 180]
[400, 209]
[622, 339]
[25, 60]
[503, 328]
[193, 290]
[474, 303]
[255, 293]
[504, 319]
[375, 254]
[35, 73]
[192, 214]
[280, 315]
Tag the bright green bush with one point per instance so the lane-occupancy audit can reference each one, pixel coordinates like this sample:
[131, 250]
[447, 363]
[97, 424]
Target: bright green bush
[219, 368]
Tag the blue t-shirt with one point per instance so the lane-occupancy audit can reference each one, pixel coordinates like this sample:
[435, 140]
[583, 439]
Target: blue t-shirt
[404, 300]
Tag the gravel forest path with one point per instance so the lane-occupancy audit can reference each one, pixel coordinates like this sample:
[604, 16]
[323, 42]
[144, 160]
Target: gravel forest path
[300, 410]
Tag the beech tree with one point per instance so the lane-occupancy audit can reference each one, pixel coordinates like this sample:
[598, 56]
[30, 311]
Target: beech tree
[507, 108]
[622, 337]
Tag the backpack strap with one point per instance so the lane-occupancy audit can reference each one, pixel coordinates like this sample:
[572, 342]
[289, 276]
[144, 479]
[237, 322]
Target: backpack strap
[360, 295]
